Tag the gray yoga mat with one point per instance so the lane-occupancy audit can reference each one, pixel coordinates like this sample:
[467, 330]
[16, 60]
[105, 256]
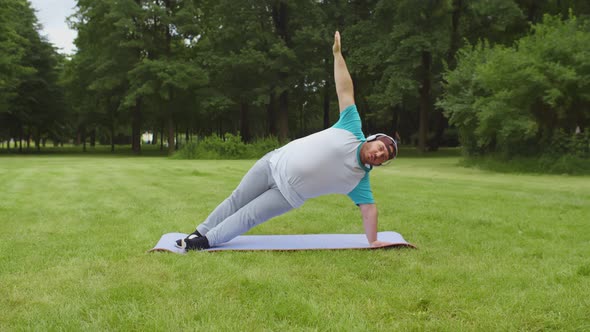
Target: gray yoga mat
[289, 242]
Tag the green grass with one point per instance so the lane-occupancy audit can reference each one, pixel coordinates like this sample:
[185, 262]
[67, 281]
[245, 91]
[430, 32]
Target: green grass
[497, 252]
[562, 165]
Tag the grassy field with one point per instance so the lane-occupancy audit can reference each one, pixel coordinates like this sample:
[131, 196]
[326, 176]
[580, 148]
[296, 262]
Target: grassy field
[497, 252]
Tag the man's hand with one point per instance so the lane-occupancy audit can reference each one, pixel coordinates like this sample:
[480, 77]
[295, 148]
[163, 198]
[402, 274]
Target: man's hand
[336, 46]
[378, 244]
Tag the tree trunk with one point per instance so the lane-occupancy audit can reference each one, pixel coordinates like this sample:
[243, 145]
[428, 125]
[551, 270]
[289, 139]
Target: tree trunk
[170, 133]
[302, 120]
[136, 127]
[112, 136]
[271, 115]
[280, 18]
[162, 136]
[37, 139]
[327, 89]
[245, 122]
[176, 140]
[93, 138]
[283, 118]
[425, 92]
[395, 112]
[364, 111]
[83, 137]
[168, 55]
[440, 121]
[455, 36]
[531, 12]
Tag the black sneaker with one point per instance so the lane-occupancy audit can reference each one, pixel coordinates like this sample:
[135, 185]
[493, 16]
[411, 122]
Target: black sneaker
[179, 243]
[193, 242]
[196, 232]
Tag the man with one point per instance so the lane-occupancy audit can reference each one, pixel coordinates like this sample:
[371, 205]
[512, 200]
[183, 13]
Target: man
[335, 160]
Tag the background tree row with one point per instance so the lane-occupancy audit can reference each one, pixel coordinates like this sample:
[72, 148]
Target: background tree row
[31, 101]
[186, 68]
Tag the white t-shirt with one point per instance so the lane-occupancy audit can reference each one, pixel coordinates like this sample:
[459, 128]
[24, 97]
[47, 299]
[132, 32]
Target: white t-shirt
[327, 162]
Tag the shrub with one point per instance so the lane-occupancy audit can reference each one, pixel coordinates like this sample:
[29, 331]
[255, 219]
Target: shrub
[519, 100]
[228, 147]
[262, 146]
[562, 144]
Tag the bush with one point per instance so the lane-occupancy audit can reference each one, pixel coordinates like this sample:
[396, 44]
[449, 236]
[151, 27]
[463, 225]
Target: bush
[569, 164]
[562, 144]
[519, 100]
[228, 147]
[262, 146]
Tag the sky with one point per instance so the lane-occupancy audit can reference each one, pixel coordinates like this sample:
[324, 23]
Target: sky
[52, 15]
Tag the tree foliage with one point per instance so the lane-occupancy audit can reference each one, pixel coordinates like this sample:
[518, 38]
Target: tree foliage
[30, 101]
[259, 68]
[516, 100]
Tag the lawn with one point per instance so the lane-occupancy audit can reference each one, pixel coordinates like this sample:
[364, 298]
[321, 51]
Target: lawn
[496, 251]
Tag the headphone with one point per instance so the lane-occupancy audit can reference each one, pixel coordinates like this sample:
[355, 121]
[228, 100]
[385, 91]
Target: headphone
[376, 136]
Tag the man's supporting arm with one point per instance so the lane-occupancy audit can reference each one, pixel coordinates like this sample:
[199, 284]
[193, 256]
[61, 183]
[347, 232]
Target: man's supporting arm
[369, 213]
[344, 86]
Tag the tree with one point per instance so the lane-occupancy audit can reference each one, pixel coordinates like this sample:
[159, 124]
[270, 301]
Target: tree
[163, 72]
[507, 99]
[30, 99]
[400, 67]
[107, 50]
[238, 47]
[17, 25]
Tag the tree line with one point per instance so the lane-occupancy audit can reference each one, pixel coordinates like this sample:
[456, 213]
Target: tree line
[185, 68]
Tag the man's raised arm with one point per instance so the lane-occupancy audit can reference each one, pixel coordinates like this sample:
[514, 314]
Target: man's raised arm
[344, 87]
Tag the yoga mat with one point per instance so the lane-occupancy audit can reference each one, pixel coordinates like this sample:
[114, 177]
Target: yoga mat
[288, 242]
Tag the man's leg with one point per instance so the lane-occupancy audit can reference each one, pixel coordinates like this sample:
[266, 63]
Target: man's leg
[254, 183]
[268, 205]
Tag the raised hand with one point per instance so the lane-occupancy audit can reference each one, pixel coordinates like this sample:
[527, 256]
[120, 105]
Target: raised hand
[336, 47]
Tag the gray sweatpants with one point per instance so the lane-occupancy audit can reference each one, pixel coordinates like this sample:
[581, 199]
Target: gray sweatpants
[254, 201]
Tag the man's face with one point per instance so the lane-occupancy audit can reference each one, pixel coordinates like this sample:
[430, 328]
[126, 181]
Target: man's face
[374, 153]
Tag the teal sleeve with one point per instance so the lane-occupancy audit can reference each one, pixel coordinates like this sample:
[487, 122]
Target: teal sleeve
[350, 120]
[362, 194]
